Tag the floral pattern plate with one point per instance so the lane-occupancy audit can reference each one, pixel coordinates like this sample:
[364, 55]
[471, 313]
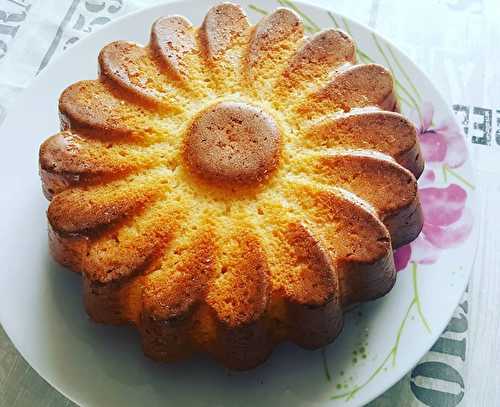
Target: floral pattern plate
[97, 365]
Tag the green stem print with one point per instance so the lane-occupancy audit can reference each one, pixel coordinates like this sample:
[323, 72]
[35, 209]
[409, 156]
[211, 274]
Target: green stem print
[447, 171]
[416, 297]
[258, 9]
[332, 17]
[405, 101]
[402, 93]
[399, 86]
[402, 70]
[408, 99]
[363, 57]
[311, 26]
[415, 303]
[326, 368]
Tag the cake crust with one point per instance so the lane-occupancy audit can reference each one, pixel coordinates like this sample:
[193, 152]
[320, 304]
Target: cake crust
[229, 187]
[233, 143]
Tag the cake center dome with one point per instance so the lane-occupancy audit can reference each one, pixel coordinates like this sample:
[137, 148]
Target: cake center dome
[232, 143]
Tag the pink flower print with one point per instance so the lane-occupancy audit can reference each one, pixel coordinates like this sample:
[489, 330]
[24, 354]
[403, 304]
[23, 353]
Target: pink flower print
[433, 146]
[428, 177]
[423, 251]
[402, 257]
[442, 206]
[441, 143]
[447, 223]
[445, 237]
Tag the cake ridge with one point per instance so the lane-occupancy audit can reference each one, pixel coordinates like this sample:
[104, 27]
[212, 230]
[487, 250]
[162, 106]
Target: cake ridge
[228, 187]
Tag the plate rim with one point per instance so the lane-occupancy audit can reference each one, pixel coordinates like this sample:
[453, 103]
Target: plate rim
[476, 201]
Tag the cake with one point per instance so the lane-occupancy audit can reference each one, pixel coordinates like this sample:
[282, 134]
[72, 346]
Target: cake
[230, 187]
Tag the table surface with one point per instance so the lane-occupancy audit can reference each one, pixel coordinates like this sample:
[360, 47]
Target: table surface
[453, 41]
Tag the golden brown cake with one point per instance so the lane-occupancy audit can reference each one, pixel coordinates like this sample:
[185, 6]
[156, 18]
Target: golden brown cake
[230, 187]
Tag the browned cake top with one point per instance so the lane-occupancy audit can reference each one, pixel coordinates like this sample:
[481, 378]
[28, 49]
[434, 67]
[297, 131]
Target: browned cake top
[232, 142]
[228, 187]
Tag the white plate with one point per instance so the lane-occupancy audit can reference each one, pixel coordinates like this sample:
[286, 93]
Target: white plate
[41, 310]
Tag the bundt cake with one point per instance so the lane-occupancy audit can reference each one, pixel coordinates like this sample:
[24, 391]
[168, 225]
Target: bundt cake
[230, 187]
